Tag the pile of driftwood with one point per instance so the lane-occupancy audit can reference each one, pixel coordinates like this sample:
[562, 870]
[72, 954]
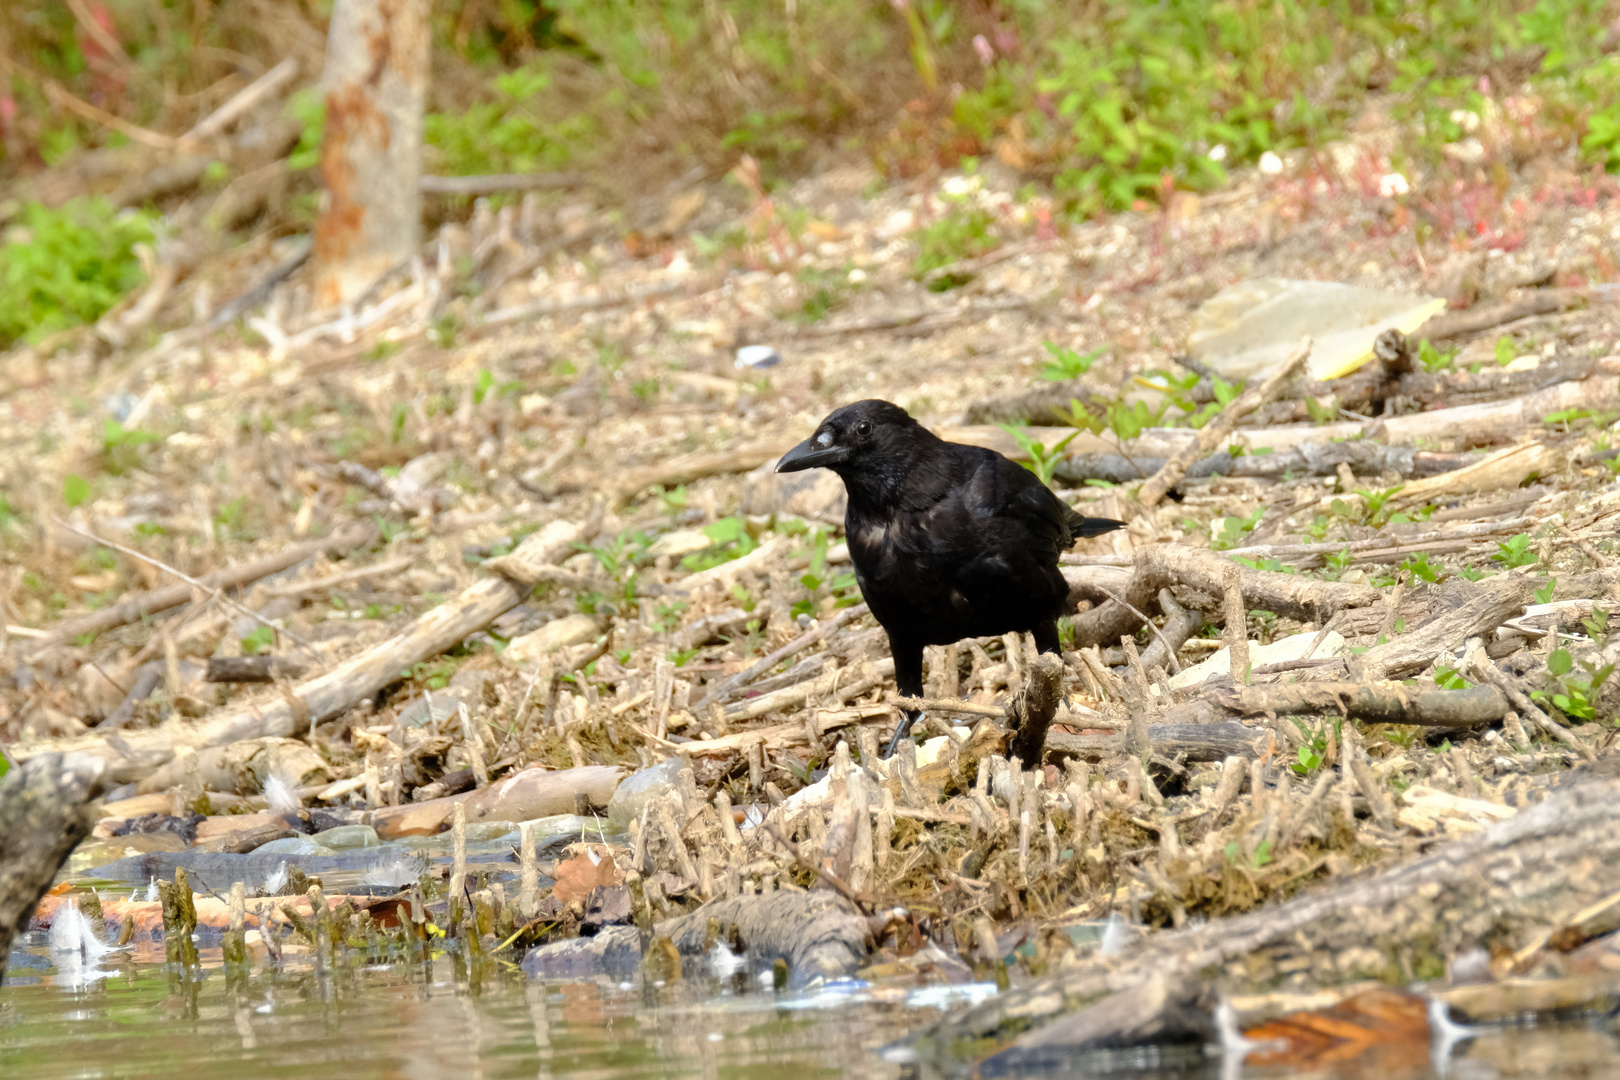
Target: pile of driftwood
[1230, 724]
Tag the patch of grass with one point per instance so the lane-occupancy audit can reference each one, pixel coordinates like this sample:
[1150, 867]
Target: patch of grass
[964, 232]
[512, 131]
[66, 266]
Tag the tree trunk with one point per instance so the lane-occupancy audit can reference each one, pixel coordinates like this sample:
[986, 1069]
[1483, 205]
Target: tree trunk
[371, 155]
[43, 815]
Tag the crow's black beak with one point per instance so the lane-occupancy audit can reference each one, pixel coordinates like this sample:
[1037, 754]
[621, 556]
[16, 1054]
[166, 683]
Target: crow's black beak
[812, 455]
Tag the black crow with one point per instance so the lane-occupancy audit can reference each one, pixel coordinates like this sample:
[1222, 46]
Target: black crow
[948, 541]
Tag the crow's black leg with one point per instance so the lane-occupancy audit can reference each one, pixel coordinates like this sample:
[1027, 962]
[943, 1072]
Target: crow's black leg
[908, 679]
[1046, 637]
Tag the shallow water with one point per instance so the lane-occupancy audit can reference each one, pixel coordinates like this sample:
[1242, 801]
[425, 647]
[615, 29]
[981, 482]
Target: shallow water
[440, 1019]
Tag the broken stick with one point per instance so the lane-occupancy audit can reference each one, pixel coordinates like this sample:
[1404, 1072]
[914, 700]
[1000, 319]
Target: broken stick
[1211, 435]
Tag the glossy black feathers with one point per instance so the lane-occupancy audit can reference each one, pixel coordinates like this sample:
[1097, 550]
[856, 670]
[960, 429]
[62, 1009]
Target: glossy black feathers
[949, 541]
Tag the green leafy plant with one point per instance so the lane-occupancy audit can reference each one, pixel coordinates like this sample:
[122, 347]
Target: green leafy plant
[75, 490]
[1312, 753]
[1596, 626]
[63, 266]
[1178, 389]
[1420, 567]
[1544, 594]
[262, 639]
[1575, 697]
[1276, 566]
[1515, 552]
[1449, 678]
[1234, 529]
[510, 131]
[1504, 351]
[731, 540]
[120, 446]
[1042, 462]
[1433, 360]
[1067, 364]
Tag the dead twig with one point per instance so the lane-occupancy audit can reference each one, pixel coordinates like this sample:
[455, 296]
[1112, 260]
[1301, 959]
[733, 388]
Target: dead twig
[1212, 434]
[837, 883]
[816, 633]
[195, 583]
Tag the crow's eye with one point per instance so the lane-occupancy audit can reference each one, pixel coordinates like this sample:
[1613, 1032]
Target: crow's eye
[864, 428]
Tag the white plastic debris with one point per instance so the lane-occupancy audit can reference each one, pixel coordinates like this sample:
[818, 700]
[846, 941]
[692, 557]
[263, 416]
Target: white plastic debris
[757, 357]
[1246, 330]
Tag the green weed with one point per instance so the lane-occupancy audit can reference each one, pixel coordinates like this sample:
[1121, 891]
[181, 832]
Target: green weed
[1042, 462]
[1234, 529]
[731, 540]
[963, 232]
[1067, 364]
[1575, 697]
[262, 639]
[65, 266]
[75, 490]
[1515, 552]
[120, 446]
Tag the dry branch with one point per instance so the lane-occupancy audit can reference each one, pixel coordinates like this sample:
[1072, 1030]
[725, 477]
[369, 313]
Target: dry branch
[1198, 742]
[1376, 703]
[1489, 604]
[133, 755]
[1159, 566]
[138, 607]
[1496, 889]
[245, 100]
[1219, 429]
[1456, 324]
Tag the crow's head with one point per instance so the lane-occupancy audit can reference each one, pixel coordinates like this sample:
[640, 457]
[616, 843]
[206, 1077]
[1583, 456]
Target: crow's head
[866, 439]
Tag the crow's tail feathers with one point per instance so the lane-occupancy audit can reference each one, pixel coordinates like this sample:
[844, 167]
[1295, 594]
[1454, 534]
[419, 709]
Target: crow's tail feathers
[1087, 526]
[1090, 526]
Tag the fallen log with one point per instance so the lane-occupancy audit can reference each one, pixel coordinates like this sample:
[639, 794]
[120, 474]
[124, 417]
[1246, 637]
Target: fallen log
[1305, 459]
[1500, 888]
[1198, 742]
[819, 934]
[1502, 421]
[44, 813]
[262, 668]
[133, 755]
[1375, 703]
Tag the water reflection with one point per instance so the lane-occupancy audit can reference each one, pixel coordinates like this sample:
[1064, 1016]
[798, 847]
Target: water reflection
[487, 1021]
